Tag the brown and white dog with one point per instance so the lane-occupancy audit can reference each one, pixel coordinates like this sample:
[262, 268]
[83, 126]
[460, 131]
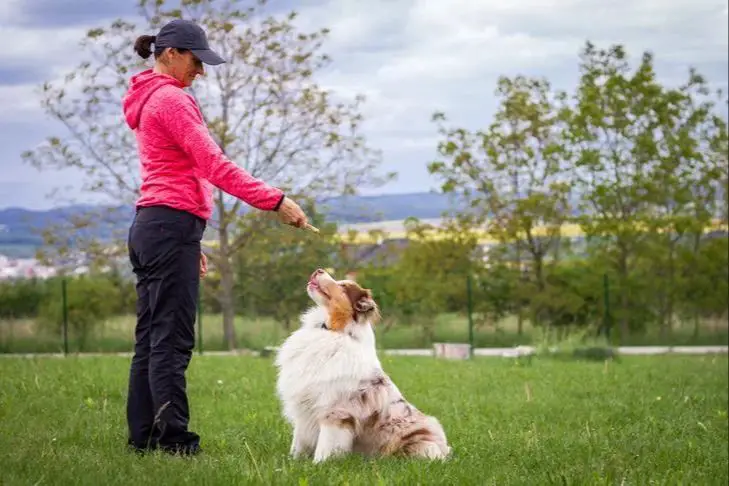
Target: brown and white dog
[333, 389]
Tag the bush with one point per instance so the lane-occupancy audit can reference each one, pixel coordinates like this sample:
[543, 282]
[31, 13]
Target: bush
[21, 298]
[90, 301]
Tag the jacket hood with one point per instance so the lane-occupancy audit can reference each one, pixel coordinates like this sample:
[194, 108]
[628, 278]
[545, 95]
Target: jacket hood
[141, 87]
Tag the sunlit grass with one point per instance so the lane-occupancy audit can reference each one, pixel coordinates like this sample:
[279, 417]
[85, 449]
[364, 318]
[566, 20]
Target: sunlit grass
[641, 420]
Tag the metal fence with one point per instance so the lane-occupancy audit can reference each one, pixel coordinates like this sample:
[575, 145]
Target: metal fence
[69, 316]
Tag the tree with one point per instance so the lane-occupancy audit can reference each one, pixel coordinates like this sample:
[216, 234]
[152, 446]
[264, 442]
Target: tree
[638, 147]
[273, 271]
[703, 281]
[263, 107]
[515, 173]
[682, 183]
[496, 287]
[430, 276]
[87, 307]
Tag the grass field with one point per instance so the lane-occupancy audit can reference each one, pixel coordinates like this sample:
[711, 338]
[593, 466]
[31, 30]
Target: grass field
[640, 420]
[115, 335]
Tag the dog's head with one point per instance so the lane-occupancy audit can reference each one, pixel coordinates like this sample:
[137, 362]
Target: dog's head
[346, 301]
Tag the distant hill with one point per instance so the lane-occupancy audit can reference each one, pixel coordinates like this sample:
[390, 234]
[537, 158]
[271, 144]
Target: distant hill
[20, 228]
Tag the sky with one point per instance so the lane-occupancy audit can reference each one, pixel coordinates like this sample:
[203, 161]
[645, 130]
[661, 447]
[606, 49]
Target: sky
[410, 58]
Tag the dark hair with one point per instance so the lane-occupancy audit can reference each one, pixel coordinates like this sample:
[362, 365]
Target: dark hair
[143, 45]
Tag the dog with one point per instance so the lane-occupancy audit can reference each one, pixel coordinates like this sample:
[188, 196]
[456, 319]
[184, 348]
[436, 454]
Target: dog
[333, 389]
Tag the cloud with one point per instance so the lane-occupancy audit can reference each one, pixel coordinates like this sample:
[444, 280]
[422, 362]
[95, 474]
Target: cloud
[39, 45]
[22, 74]
[23, 124]
[38, 55]
[448, 55]
[21, 184]
[53, 14]
[409, 57]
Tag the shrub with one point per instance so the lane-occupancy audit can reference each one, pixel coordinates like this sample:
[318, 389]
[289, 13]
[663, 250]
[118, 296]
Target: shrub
[21, 298]
[90, 301]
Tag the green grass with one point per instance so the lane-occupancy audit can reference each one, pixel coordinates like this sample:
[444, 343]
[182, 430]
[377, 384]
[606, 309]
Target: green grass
[640, 420]
[115, 335]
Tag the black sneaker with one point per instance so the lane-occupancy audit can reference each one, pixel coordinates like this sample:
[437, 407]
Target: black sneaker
[141, 449]
[182, 449]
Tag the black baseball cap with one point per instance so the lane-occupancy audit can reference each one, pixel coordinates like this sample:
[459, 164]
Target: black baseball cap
[184, 34]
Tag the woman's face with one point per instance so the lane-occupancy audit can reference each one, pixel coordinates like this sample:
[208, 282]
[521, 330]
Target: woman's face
[183, 66]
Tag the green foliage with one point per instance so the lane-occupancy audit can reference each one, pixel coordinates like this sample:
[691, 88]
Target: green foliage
[643, 166]
[572, 295]
[496, 291]
[429, 276]
[89, 302]
[22, 298]
[514, 172]
[273, 269]
[703, 281]
[646, 167]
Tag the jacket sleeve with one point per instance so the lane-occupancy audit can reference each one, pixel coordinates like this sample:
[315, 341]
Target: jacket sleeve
[185, 124]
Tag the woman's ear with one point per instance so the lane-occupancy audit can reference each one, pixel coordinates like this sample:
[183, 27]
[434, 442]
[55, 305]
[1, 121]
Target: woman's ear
[164, 57]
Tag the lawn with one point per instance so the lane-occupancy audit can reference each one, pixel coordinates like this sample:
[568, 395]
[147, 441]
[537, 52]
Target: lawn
[640, 420]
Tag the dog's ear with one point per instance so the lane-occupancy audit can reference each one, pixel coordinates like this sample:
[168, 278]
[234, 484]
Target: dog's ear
[364, 304]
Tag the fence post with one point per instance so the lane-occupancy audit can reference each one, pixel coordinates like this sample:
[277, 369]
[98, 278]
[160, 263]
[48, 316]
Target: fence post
[199, 319]
[606, 318]
[64, 302]
[470, 314]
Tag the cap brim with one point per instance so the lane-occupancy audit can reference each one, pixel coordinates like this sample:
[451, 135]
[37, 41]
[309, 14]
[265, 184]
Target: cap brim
[208, 56]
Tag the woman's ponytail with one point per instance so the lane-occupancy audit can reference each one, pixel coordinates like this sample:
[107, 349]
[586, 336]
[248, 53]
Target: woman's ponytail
[143, 45]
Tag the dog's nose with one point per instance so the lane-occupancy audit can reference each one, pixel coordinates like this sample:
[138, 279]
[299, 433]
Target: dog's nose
[317, 272]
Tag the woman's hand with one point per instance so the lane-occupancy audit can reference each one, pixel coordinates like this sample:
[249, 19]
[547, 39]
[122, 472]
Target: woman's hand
[203, 265]
[291, 213]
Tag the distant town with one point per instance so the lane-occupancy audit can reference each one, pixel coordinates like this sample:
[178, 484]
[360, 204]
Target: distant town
[15, 268]
[30, 267]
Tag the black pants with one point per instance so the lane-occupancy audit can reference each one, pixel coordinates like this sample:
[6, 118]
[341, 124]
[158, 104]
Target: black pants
[164, 249]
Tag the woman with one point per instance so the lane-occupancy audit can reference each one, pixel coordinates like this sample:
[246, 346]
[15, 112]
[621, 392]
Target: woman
[179, 165]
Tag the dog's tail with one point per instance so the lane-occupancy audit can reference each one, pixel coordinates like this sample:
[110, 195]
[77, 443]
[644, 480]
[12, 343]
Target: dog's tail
[426, 439]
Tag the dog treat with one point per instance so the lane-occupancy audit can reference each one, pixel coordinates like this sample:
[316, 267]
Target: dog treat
[311, 228]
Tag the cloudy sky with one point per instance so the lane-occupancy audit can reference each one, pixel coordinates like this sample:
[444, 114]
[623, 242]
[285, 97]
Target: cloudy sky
[409, 57]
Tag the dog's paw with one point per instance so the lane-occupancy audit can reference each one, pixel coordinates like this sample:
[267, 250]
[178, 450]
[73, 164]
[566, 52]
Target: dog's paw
[319, 457]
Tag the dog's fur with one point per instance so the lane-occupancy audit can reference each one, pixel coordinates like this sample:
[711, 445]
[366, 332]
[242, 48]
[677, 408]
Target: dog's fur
[333, 389]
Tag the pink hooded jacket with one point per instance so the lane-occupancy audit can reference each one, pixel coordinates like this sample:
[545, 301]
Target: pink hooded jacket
[180, 162]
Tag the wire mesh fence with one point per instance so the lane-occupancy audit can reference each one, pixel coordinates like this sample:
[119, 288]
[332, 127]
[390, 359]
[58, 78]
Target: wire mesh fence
[73, 315]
